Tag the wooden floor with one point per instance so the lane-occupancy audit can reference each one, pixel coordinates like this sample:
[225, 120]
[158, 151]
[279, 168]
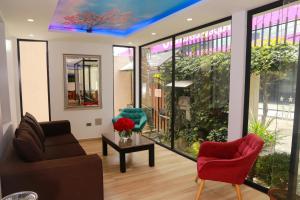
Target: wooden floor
[172, 178]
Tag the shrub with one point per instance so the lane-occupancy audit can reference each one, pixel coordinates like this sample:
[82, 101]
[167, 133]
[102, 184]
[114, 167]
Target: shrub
[262, 131]
[273, 169]
[219, 135]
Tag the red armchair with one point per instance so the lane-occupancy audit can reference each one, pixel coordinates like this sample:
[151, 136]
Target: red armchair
[228, 162]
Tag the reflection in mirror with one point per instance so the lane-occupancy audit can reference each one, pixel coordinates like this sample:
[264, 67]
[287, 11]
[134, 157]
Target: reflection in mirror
[82, 81]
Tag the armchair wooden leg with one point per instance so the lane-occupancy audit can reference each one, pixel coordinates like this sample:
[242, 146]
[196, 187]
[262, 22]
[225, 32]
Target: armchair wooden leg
[200, 189]
[196, 179]
[238, 192]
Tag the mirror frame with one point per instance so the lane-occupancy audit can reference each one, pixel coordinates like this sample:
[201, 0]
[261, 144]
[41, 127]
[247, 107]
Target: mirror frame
[66, 105]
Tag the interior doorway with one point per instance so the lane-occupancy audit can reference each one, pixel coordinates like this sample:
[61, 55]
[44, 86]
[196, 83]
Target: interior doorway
[124, 70]
[34, 78]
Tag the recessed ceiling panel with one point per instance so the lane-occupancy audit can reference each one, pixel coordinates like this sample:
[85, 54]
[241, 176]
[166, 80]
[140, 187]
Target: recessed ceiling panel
[113, 17]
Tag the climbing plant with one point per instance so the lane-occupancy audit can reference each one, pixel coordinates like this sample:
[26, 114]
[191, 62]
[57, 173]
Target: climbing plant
[272, 62]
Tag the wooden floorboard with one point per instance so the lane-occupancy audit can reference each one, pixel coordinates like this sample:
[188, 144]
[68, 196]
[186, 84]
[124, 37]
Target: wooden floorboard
[172, 178]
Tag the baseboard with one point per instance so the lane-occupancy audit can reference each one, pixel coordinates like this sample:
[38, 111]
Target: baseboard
[89, 139]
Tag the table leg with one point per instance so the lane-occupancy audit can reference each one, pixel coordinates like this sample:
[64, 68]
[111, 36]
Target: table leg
[122, 162]
[151, 156]
[104, 148]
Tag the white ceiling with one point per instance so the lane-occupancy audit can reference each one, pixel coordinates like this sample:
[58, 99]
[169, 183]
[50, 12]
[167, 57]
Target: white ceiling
[16, 13]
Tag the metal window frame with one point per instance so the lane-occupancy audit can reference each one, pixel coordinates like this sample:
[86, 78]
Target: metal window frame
[293, 171]
[173, 39]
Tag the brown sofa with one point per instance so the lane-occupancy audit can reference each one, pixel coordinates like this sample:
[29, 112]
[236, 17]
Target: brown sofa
[53, 165]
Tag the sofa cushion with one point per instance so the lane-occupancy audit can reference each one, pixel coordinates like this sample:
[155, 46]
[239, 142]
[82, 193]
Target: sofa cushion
[27, 129]
[60, 140]
[63, 151]
[30, 119]
[26, 147]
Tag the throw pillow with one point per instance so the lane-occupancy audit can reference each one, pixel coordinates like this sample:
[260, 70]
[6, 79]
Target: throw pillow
[27, 129]
[26, 147]
[30, 119]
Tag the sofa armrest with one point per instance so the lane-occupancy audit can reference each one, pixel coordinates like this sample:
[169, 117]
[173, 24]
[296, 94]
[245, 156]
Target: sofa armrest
[54, 128]
[70, 178]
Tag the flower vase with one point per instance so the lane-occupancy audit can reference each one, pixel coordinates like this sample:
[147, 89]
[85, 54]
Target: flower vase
[125, 135]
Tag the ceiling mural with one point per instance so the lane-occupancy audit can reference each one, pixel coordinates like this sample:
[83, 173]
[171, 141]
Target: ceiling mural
[113, 17]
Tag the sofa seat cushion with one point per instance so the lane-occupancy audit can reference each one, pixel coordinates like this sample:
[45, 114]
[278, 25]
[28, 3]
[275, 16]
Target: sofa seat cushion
[63, 151]
[60, 140]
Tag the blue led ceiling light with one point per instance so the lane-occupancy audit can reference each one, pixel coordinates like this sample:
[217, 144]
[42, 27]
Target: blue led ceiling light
[112, 17]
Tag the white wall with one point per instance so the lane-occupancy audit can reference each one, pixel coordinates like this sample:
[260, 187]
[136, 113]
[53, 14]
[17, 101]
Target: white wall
[5, 115]
[237, 75]
[137, 78]
[79, 118]
[13, 76]
[4, 91]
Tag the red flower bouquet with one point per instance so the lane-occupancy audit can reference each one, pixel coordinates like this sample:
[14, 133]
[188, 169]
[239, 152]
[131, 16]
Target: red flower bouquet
[124, 126]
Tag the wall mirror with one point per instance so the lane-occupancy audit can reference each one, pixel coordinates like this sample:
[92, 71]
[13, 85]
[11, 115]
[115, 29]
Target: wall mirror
[82, 81]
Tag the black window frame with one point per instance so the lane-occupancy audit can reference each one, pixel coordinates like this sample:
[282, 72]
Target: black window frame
[173, 39]
[293, 171]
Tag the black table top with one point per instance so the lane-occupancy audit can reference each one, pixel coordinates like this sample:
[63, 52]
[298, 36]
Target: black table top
[135, 140]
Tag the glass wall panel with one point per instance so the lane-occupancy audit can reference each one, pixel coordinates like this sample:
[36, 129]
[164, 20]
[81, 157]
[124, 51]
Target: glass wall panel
[202, 87]
[156, 83]
[274, 58]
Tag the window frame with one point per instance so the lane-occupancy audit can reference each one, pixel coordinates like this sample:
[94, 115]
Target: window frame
[173, 39]
[294, 161]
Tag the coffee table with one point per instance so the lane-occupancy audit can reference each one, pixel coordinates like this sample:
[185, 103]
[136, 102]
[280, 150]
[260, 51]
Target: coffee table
[134, 144]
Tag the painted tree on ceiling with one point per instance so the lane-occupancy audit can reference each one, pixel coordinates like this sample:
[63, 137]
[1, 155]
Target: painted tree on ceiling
[91, 20]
